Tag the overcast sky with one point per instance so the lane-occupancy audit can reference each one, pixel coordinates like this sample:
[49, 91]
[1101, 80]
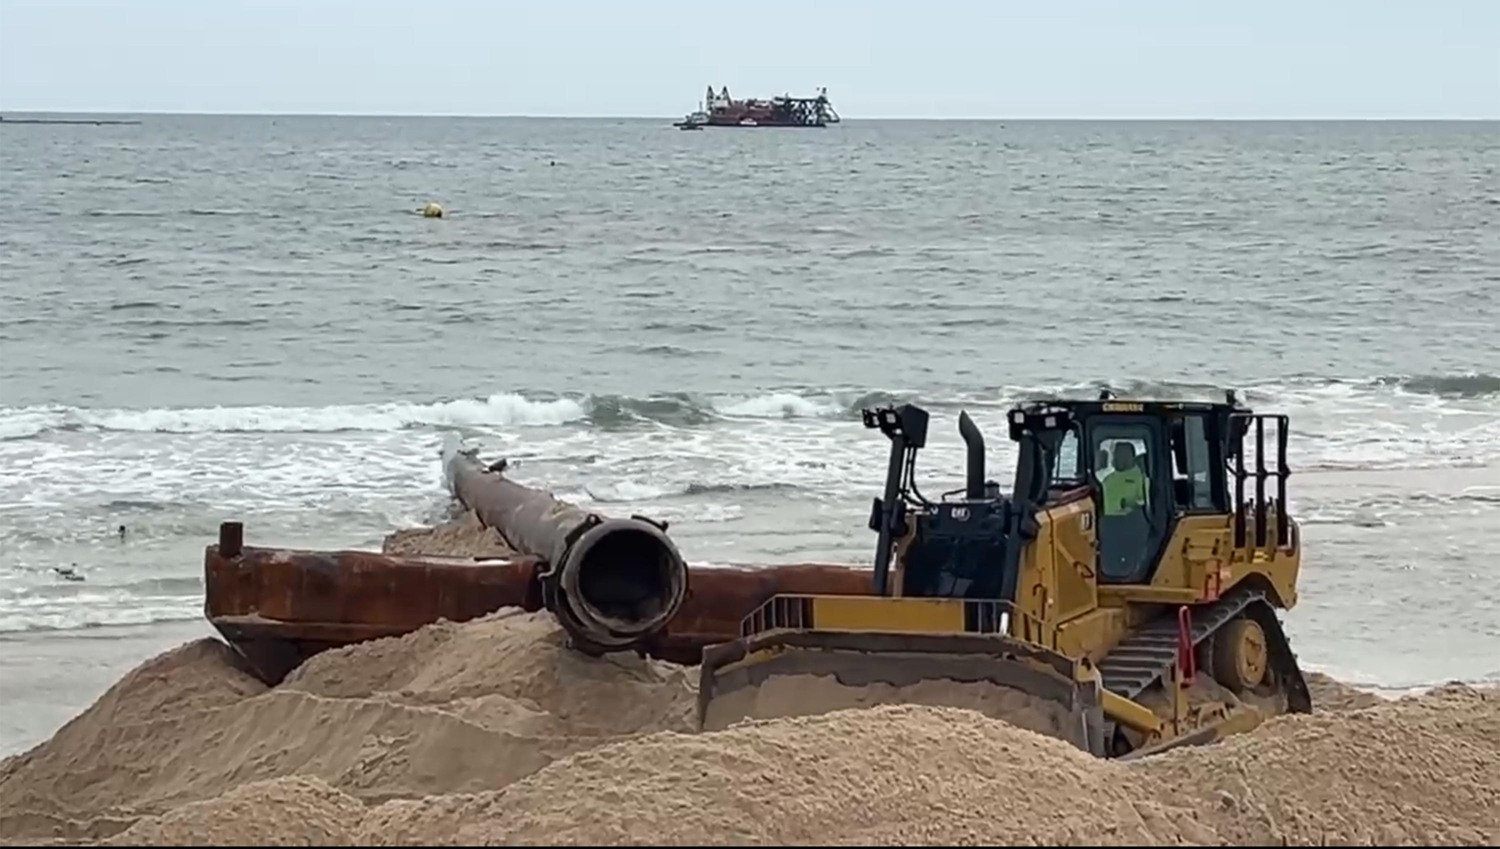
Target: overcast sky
[879, 58]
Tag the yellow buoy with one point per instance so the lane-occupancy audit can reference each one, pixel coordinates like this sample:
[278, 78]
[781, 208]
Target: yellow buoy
[432, 210]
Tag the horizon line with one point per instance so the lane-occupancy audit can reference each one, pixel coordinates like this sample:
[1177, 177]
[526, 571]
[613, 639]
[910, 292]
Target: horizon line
[560, 117]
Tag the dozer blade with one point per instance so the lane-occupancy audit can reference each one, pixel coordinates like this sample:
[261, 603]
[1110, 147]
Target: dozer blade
[790, 672]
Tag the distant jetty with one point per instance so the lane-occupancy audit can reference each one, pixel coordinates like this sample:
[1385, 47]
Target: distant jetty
[97, 122]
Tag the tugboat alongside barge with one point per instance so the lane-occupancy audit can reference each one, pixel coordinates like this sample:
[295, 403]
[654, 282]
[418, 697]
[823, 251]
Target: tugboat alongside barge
[721, 110]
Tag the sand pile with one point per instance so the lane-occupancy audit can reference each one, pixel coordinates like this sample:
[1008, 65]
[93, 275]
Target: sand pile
[492, 732]
[887, 775]
[97, 764]
[256, 814]
[464, 536]
[510, 672]
[1329, 694]
[1423, 771]
[446, 709]
[1418, 771]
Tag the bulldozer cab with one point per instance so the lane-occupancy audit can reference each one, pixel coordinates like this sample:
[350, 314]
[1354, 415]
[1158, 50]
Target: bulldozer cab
[1146, 465]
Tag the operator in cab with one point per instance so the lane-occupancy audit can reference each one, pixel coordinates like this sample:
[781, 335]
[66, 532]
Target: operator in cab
[1125, 486]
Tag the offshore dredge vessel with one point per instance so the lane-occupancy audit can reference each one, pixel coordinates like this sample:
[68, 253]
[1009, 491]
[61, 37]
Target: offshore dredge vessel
[721, 110]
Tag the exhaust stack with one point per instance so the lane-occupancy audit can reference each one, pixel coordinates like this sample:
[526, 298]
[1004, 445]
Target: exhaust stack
[974, 482]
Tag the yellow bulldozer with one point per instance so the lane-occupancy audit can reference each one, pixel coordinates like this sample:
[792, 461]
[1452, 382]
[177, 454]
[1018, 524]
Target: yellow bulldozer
[1122, 596]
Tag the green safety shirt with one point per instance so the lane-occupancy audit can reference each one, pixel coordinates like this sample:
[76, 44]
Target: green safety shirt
[1124, 490]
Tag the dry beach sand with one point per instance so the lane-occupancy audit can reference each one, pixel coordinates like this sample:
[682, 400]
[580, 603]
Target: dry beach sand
[492, 732]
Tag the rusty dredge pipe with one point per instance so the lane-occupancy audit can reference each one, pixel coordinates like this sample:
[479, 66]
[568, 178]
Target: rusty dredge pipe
[612, 583]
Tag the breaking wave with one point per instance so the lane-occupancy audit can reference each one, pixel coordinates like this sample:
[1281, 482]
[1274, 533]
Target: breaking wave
[501, 409]
[513, 409]
[1461, 385]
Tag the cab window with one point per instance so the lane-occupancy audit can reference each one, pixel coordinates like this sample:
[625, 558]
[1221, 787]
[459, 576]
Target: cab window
[1131, 516]
[1192, 477]
[1124, 447]
[1066, 468]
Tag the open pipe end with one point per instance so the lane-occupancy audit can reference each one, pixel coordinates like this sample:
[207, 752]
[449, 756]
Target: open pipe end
[623, 580]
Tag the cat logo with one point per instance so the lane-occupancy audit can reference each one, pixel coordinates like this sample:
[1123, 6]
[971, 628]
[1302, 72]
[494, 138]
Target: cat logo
[960, 514]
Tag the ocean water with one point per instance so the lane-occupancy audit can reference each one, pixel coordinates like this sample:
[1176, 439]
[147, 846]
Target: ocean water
[211, 318]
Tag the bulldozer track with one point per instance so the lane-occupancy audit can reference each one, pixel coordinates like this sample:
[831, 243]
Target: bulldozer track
[1149, 655]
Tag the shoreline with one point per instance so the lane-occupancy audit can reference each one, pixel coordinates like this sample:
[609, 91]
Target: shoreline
[53, 676]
